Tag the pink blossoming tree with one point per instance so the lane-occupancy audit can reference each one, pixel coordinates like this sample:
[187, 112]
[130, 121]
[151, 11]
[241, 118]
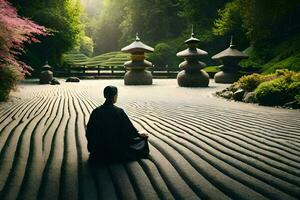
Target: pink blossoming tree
[15, 32]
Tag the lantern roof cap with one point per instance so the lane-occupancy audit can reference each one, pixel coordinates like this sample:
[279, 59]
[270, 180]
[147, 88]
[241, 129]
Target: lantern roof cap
[231, 51]
[192, 39]
[46, 66]
[191, 53]
[137, 46]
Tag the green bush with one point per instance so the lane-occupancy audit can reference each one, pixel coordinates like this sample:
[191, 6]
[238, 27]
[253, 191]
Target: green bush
[163, 55]
[9, 77]
[294, 89]
[249, 83]
[278, 91]
[297, 99]
[234, 87]
[271, 93]
[288, 75]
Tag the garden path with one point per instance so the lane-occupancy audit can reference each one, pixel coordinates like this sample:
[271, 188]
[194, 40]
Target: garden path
[202, 147]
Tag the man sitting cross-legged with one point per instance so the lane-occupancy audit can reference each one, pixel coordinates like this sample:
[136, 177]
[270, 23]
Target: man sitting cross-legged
[110, 134]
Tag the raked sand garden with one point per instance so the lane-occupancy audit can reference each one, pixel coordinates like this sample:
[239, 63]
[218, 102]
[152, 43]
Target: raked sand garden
[201, 146]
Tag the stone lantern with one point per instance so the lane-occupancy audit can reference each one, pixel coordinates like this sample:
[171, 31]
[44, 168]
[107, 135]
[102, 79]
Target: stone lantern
[136, 68]
[46, 75]
[230, 58]
[192, 74]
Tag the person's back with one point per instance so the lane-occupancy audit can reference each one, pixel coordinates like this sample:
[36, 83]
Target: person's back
[110, 132]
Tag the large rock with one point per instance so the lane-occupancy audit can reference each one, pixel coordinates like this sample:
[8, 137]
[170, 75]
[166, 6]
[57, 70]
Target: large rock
[238, 95]
[293, 104]
[225, 94]
[199, 79]
[249, 97]
[54, 82]
[73, 79]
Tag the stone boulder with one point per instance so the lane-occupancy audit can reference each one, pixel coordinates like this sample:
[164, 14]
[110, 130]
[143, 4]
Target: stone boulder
[225, 94]
[238, 95]
[54, 82]
[293, 104]
[249, 97]
[73, 79]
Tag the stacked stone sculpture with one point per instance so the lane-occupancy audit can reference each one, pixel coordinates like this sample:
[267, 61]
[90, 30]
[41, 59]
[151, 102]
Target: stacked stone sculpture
[46, 74]
[192, 74]
[230, 58]
[137, 73]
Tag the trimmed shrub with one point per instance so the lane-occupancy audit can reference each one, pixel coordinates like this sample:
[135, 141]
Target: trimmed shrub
[294, 89]
[268, 94]
[249, 83]
[234, 87]
[281, 88]
[277, 92]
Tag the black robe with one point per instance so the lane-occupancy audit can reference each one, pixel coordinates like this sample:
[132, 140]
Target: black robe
[112, 137]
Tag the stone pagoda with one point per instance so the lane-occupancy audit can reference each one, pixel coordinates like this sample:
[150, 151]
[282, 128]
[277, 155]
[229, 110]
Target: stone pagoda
[46, 74]
[192, 74]
[230, 58]
[136, 68]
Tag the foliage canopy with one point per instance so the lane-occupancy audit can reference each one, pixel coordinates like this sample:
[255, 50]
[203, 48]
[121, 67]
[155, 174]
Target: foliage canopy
[15, 32]
[63, 18]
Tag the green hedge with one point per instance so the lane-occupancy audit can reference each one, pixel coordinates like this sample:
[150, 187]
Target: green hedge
[212, 69]
[250, 82]
[115, 58]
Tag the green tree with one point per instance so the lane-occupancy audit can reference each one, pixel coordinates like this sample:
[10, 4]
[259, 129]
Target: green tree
[15, 32]
[63, 18]
[163, 55]
[271, 28]
[154, 20]
[86, 46]
[263, 23]
[201, 14]
[90, 15]
[107, 33]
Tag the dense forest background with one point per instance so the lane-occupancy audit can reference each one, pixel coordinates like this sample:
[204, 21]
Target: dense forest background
[268, 30]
